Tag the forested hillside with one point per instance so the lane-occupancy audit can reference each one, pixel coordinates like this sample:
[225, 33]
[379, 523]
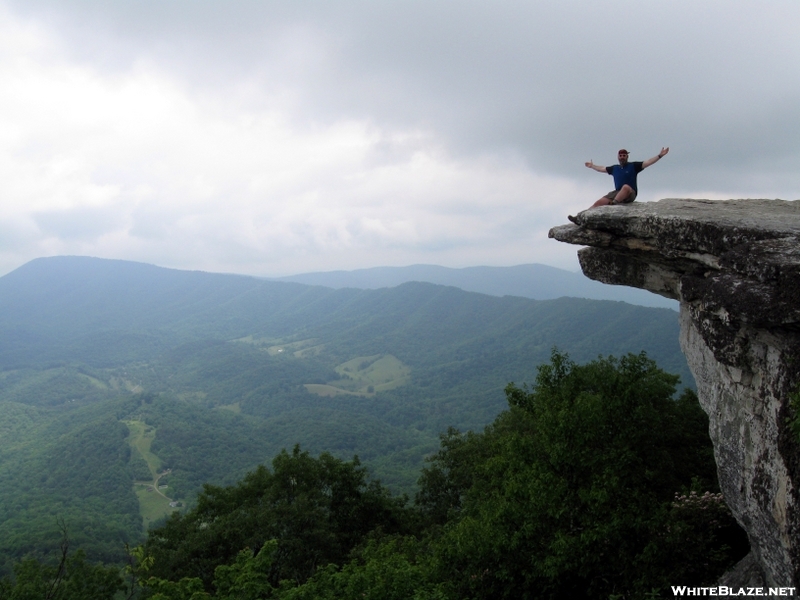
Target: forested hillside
[596, 482]
[113, 373]
[539, 282]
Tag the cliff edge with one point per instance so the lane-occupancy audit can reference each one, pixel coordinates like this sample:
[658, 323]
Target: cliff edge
[734, 266]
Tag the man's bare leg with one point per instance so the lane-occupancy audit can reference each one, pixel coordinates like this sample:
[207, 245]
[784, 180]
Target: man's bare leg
[622, 195]
[602, 202]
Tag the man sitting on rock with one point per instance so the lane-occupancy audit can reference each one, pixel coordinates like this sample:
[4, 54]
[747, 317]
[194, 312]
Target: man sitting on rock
[624, 174]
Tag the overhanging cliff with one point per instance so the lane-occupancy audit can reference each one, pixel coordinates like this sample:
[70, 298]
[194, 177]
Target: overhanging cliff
[735, 268]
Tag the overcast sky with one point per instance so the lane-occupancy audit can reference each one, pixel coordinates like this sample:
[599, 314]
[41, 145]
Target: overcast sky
[273, 138]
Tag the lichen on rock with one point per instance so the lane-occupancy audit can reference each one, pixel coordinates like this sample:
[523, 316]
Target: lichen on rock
[734, 266]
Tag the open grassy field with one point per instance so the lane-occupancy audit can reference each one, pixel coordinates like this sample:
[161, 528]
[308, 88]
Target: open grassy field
[153, 505]
[299, 349]
[274, 346]
[141, 438]
[364, 376]
[153, 500]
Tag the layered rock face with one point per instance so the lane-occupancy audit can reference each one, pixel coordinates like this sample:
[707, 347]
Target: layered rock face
[735, 268]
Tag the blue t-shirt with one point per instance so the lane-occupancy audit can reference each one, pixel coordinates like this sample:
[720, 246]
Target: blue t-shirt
[625, 174]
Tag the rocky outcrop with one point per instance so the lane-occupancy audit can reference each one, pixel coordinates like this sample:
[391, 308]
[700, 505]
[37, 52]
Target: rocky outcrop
[735, 268]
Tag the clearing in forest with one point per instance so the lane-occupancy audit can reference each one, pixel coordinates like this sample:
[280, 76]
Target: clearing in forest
[364, 376]
[153, 502]
[274, 347]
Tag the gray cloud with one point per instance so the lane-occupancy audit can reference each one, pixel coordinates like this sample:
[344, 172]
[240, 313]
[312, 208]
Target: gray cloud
[538, 84]
[80, 224]
[717, 81]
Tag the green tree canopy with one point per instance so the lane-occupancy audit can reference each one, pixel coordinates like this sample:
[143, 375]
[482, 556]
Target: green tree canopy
[316, 509]
[570, 492]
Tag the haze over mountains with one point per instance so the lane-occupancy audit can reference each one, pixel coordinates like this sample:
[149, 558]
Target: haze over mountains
[131, 370]
[539, 282]
[80, 308]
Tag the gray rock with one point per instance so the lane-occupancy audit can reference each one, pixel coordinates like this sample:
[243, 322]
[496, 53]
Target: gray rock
[735, 268]
[746, 573]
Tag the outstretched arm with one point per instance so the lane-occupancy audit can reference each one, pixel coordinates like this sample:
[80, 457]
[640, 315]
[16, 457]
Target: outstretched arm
[655, 159]
[597, 168]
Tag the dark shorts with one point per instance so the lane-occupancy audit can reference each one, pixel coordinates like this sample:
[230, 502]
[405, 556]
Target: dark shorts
[613, 194]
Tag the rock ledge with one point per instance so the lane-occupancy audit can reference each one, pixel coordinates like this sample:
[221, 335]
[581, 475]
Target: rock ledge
[734, 266]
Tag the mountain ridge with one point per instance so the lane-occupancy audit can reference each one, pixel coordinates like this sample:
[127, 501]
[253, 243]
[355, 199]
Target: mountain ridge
[534, 281]
[227, 370]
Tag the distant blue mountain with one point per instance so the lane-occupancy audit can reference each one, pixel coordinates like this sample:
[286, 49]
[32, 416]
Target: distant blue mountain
[232, 369]
[539, 282]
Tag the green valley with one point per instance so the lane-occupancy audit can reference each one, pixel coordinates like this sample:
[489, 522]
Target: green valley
[119, 378]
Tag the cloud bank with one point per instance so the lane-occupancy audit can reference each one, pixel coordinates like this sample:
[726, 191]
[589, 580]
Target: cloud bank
[274, 138]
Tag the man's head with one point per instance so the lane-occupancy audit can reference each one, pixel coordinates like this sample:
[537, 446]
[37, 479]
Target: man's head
[622, 155]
